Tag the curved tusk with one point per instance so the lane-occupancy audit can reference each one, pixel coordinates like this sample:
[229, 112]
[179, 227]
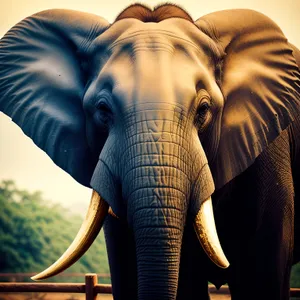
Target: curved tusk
[86, 235]
[205, 228]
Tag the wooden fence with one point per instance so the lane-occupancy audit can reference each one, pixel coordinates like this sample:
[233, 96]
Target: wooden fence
[91, 288]
[19, 277]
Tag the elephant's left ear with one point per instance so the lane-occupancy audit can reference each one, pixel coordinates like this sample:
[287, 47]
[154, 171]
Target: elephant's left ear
[260, 84]
[42, 82]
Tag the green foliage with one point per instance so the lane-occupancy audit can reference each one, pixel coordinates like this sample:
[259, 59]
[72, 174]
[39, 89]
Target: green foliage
[295, 276]
[34, 233]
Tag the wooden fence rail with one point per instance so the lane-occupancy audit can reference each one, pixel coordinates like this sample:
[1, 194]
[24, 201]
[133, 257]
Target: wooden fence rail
[91, 288]
[23, 275]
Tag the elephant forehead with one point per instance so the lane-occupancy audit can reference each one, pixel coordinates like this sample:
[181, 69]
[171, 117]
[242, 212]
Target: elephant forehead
[148, 72]
[154, 36]
[153, 61]
[168, 34]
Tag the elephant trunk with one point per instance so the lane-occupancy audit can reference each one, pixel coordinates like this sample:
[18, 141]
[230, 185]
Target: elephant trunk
[157, 221]
[158, 257]
[157, 188]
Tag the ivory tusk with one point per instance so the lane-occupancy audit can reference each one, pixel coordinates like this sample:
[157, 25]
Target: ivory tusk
[204, 225]
[86, 235]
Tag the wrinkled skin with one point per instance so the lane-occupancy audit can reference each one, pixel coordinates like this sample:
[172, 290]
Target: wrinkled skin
[158, 117]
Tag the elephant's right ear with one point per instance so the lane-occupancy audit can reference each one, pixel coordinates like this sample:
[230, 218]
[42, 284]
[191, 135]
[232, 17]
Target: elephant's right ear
[42, 83]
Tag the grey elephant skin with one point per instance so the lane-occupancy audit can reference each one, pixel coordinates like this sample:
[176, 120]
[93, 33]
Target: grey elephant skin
[162, 116]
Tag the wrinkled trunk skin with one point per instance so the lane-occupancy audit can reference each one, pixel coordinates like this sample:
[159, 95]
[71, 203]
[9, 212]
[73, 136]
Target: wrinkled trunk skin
[158, 234]
[157, 216]
[157, 184]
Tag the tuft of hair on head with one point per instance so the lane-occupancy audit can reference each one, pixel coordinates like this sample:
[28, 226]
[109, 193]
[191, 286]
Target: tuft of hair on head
[157, 14]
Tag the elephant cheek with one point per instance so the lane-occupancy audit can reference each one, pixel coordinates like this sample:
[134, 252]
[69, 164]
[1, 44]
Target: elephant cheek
[105, 183]
[202, 189]
[95, 143]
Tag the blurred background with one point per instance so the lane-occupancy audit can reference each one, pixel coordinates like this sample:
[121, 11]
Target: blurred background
[42, 206]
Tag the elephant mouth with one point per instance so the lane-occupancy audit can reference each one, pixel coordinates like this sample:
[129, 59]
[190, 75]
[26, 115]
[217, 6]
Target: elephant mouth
[204, 226]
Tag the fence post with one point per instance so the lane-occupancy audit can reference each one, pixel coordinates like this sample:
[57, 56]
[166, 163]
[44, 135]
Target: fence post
[90, 281]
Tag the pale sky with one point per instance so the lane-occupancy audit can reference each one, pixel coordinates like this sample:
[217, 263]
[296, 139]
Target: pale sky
[30, 167]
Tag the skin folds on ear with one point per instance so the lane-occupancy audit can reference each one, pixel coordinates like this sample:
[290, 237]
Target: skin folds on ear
[42, 84]
[260, 84]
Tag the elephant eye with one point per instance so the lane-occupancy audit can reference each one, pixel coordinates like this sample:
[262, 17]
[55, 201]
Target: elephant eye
[103, 107]
[203, 109]
[202, 115]
[103, 116]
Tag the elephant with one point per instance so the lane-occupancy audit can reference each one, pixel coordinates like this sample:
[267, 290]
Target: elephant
[188, 133]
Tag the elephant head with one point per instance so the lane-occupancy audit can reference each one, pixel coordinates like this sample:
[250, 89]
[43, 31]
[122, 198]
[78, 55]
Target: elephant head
[153, 112]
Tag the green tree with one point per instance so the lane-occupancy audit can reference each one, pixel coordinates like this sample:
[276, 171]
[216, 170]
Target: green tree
[34, 233]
